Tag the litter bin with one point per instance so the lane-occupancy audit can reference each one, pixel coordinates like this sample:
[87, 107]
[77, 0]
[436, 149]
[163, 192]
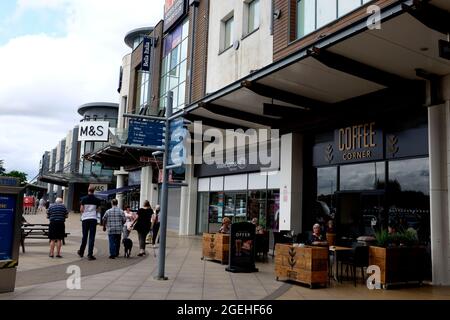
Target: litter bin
[11, 199]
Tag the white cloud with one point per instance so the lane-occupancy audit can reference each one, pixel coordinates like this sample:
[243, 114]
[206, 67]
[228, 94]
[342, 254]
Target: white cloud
[45, 78]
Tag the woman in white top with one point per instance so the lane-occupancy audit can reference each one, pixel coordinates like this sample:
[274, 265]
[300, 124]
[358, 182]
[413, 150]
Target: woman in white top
[130, 219]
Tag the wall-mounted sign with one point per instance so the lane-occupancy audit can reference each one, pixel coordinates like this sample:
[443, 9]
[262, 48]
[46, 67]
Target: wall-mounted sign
[93, 131]
[359, 142]
[173, 11]
[146, 51]
[9, 181]
[367, 142]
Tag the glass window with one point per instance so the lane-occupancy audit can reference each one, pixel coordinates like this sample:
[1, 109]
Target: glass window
[326, 12]
[409, 196]
[253, 16]
[174, 66]
[364, 176]
[257, 202]
[228, 33]
[306, 21]
[346, 6]
[185, 31]
[181, 94]
[273, 209]
[314, 14]
[326, 181]
[216, 205]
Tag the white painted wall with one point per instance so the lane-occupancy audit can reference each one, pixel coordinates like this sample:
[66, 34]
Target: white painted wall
[255, 51]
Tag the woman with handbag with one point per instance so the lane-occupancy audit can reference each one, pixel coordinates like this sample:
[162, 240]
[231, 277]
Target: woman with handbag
[129, 224]
[142, 225]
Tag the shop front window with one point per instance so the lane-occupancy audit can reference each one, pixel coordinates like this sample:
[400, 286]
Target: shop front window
[257, 203]
[203, 205]
[273, 209]
[216, 206]
[364, 176]
[324, 207]
[409, 196]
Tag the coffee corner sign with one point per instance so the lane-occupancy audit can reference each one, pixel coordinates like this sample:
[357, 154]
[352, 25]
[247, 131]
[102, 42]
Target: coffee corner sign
[358, 142]
[93, 131]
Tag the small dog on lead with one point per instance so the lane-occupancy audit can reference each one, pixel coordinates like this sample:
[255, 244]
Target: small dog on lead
[128, 245]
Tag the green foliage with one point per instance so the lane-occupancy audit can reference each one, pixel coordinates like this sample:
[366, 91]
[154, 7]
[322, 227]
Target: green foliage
[402, 238]
[382, 236]
[17, 174]
[2, 170]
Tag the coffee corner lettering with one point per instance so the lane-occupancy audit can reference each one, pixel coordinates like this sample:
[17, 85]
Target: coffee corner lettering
[357, 142]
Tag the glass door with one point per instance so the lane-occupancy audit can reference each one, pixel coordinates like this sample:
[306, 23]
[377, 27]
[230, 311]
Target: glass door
[235, 206]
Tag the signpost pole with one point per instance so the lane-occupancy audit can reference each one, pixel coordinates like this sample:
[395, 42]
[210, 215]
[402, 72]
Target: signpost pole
[164, 198]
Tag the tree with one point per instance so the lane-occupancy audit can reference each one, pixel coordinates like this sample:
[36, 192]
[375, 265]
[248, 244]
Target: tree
[17, 174]
[2, 170]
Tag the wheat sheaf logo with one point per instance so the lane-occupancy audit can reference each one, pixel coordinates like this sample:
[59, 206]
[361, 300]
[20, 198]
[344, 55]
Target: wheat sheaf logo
[392, 145]
[292, 261]
[329, 153]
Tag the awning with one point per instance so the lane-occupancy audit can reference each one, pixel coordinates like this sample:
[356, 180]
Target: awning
[107, 193]
[343, 74]
[128, 156]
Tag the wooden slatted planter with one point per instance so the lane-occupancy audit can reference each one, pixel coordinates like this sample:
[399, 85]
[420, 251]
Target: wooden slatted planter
[216, 246]
[307, 265]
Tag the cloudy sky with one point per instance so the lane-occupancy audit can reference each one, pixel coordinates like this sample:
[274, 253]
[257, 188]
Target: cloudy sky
[54, 56]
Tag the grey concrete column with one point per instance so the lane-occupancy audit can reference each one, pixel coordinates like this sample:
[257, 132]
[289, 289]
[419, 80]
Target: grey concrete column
[188, 204]
[51, 196]
[120, 183]
[291, 188]
[68, 197]
[59, 192]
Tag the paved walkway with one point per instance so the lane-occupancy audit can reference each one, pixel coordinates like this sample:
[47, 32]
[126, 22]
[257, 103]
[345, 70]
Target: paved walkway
[190, 278]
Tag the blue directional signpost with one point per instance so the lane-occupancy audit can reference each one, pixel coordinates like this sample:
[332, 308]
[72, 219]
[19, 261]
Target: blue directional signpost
[162, 134]
[146, 132]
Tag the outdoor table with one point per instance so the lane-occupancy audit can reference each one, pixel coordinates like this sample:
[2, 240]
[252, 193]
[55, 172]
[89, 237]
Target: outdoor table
[336, 250]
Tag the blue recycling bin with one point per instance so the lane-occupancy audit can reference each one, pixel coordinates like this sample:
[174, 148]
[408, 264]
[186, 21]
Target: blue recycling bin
[11, 201]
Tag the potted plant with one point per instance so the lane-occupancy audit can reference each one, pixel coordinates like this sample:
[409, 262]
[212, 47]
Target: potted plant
[399, 256]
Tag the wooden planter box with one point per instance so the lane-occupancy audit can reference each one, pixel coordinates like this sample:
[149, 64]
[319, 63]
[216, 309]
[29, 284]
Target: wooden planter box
[307, 265]
[216, 246]
[399, 265]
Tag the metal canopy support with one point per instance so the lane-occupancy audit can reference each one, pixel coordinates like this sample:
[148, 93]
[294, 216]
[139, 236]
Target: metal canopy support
[431, 16]
[243, 115]
[285, 96]
[357, 69]
[214, 123]
[271, 109]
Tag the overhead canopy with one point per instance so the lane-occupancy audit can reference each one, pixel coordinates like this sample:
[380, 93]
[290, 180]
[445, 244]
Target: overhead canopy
[116, 156]
[107, 193]
[63, 179]
[355, 69]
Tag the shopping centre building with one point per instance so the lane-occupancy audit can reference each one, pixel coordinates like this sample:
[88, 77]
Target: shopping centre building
[359, 91]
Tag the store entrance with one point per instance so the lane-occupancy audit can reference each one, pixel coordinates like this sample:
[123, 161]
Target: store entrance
[359, 213]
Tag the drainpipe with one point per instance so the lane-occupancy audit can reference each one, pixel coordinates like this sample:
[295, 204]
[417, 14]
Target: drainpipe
[194, 4]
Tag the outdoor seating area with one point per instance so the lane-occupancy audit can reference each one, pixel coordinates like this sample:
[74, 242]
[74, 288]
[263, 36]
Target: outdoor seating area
[35, 231]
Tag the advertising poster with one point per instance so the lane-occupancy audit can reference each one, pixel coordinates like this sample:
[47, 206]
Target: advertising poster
[242, 248]
[7, 210]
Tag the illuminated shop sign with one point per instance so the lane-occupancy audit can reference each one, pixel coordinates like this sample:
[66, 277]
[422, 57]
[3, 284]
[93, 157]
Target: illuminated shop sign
[173, 11]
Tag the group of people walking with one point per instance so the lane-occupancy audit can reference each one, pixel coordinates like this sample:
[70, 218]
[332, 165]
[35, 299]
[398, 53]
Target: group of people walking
[115, 221]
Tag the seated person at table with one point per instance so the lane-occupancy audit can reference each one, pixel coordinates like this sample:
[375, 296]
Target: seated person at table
[225, 228]
[259, 229]
[316, 238]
